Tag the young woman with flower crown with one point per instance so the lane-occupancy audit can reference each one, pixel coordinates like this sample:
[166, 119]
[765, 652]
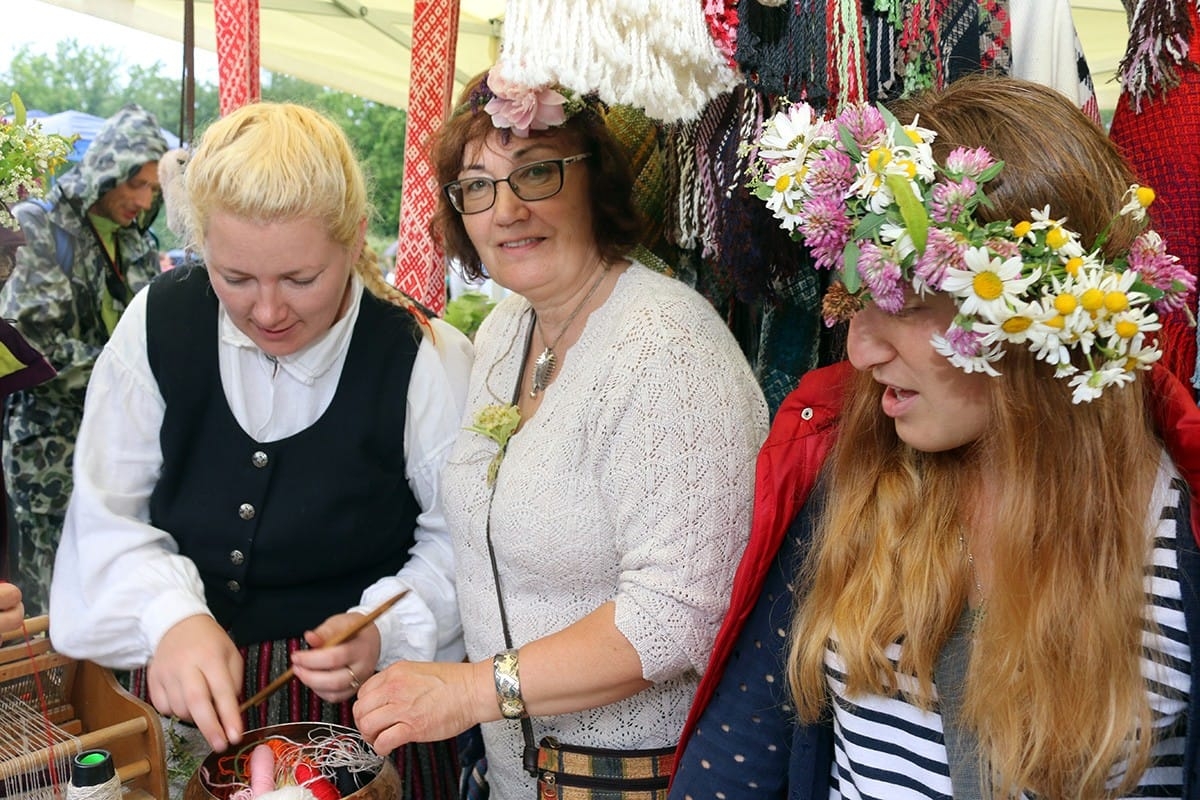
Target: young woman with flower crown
[973, 567]
[608, 463]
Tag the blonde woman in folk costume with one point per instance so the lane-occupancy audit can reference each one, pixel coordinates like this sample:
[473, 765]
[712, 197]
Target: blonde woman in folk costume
[619, 505]
[985, 516]
[261, 451]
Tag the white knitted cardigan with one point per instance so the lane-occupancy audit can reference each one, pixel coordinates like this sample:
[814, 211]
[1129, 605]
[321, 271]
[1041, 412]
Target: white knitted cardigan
[633, 481]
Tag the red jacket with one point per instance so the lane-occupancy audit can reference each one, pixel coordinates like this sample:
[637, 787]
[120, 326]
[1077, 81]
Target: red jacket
[790, 460]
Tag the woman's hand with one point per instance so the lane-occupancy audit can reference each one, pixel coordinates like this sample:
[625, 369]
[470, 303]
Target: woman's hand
[335, 673]
[414, 701]
[196, 675]
[12, 610]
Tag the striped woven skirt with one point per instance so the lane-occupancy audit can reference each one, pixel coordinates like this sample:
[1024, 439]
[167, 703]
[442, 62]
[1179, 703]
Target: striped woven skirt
[428, 771]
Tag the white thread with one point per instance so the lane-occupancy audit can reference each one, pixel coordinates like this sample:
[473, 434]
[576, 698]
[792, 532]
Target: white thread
[109, 790]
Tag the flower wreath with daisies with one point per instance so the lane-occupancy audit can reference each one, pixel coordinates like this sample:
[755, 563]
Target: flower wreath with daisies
[522, 109]
[863, 192]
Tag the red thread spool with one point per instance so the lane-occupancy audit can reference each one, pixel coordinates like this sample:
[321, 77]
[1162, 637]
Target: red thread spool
[213, 782]
[311, 779]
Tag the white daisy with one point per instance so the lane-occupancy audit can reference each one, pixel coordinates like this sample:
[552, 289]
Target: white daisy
[990, 286]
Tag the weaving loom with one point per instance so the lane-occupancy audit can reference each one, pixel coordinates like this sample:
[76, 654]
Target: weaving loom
[84, 708]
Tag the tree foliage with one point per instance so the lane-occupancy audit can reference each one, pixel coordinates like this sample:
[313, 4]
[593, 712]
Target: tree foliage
[99, 80]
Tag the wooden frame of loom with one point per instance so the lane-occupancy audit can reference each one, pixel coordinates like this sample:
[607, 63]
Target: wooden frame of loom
[93, 707]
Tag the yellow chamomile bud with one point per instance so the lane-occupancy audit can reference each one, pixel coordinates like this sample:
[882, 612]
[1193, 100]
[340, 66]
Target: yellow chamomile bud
[1058, 323]
[1065, 303]
[1116, 301]
[783, 182]
[1056, 237]
[1145, 196]
[1092, 300]
[1126, 329]
[1073, 264]
[879, 158]
[1021, 229]
[910, 169]
[1016, 324]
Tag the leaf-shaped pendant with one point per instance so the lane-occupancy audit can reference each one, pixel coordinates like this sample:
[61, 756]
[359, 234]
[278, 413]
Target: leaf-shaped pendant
[543, 371]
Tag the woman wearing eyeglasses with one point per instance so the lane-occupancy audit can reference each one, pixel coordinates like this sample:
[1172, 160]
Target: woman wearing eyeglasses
[607, 462]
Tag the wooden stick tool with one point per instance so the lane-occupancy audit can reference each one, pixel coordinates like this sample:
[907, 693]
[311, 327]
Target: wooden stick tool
[275, 685]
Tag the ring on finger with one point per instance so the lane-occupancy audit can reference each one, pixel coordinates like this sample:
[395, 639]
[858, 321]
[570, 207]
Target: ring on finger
[354, 684]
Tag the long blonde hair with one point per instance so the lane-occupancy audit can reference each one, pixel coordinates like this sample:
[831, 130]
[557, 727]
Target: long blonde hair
[268, 162]
[1054, 691]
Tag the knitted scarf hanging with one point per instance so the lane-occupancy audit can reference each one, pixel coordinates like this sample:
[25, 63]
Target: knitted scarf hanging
[663, 61]
[1157, 127]
[995, 37]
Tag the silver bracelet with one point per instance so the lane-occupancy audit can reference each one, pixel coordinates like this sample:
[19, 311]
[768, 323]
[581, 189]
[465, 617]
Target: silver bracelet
[507, 676]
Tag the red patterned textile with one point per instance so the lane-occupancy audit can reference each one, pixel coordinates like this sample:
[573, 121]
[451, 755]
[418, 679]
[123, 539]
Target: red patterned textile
[419, 264]
[237, 53]
[1161, 142]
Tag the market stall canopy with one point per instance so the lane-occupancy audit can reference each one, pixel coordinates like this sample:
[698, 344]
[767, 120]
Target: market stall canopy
[357, 47]
[362, 46]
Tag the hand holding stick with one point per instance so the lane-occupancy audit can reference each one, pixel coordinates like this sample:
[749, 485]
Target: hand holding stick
[275, 685]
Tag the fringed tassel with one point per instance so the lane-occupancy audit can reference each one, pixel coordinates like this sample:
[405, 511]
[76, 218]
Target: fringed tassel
[660, 59]
[681, 162]
[714, 127]
[1159, 32]
[722, 19]
[769, 23]
[847, 74]
[793, 64]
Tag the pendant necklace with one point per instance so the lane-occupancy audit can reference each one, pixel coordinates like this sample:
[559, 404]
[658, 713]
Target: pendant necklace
[971, 564]
[543, 368]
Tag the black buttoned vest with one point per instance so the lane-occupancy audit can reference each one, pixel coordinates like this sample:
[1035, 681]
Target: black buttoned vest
[284, 533]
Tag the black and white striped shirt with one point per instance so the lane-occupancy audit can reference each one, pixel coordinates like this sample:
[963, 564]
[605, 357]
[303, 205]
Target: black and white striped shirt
[887, 748]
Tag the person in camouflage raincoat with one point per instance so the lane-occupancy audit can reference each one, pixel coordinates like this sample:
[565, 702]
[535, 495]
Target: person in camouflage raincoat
[88, 250]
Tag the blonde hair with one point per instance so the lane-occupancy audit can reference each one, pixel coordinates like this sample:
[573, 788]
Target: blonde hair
[268, 162]
[1056, 705]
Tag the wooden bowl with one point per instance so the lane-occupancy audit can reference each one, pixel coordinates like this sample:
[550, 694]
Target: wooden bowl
[384, 785]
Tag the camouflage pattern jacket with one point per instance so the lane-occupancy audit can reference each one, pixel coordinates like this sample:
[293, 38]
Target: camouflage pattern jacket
[57, 286]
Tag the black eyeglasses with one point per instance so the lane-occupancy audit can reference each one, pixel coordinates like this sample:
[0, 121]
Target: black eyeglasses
[535, 181]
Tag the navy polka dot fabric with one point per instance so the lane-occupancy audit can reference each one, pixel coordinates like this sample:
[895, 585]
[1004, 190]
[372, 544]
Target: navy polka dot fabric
[746, 743]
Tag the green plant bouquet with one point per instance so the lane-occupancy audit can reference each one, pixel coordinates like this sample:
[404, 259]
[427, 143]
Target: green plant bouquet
[28, 158]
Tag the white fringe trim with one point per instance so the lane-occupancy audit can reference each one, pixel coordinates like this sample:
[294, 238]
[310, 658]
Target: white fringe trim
[658, 56]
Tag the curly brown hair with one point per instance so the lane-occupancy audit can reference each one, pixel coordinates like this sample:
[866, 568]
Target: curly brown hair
[617, 227]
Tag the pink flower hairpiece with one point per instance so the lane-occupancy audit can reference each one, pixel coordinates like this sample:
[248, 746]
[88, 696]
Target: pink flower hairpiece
[521, 109]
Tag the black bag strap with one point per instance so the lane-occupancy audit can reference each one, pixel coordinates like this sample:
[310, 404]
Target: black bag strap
[530, 756]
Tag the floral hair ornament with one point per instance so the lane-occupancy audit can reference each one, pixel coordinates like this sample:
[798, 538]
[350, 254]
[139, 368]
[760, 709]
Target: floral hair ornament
[522, 109]
[863, 192]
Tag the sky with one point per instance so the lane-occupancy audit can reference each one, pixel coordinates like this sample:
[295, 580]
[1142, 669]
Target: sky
[42, 26]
